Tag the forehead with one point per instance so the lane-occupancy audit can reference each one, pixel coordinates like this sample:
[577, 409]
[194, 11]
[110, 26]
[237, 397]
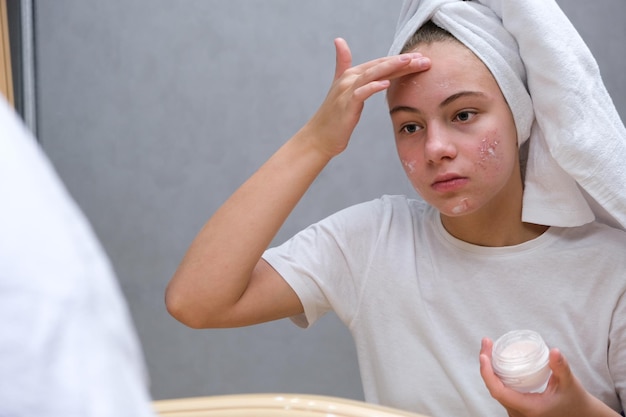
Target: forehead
[454, 68]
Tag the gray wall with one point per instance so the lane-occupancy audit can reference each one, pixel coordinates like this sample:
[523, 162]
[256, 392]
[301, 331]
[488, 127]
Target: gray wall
[154, 111]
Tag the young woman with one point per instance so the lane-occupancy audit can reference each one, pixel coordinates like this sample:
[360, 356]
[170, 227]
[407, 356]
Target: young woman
[419, 283]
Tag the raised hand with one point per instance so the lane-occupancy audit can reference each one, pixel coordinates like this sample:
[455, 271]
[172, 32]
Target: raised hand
[340, 112]
[222, 280]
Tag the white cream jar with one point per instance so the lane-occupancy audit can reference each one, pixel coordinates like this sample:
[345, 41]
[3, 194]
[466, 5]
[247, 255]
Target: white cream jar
[520, 359]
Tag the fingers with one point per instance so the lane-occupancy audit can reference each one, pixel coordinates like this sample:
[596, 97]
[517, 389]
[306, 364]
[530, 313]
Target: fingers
[561, 371]
[511, 400]
[557, 362]
[492, 382]
[394, 59]
[374, 77]
[368, 90]
[378, 71]
[486, 346]
[494, 385]
[395, 67]
[343, 57]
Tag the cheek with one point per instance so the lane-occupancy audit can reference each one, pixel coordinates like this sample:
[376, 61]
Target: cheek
[490, 153]
[412, 170]
[409, 165]
[408, 158]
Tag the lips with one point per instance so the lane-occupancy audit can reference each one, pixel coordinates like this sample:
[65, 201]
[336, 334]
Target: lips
[449, 182]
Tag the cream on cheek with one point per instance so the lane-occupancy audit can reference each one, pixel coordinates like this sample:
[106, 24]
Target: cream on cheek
[489, 161]
[411, 168]
[409, 165]
[489, 156]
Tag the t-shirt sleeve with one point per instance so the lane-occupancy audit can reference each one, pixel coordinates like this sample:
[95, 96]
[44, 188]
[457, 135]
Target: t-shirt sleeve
[327, 263]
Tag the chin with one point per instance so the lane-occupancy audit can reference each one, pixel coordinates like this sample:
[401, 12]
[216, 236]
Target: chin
[457, 208]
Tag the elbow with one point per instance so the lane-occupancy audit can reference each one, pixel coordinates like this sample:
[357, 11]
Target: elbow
[179, 307]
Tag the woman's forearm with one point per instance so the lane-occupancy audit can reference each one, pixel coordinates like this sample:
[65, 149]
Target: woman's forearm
[217, 267]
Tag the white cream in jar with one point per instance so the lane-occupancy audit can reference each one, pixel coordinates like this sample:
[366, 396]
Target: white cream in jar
[520, 359]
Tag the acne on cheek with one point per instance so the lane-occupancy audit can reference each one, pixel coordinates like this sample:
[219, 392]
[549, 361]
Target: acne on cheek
[487, 151]
[409, 166]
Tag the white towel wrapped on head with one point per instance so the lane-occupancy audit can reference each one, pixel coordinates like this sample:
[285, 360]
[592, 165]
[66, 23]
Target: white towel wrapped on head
[576, 170]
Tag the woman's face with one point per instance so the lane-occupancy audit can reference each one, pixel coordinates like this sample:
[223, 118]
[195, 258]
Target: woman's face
[455, 133]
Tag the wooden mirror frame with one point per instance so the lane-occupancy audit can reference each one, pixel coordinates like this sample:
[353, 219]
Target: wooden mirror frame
[6, 79]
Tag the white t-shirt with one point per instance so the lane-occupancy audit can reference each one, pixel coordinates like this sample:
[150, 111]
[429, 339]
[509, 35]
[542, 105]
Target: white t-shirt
[418, 301]
[68, 347]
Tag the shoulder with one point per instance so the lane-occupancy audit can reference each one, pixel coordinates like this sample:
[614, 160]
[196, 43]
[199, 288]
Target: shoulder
[595, 234]
[385, 209]
[595, 248]
[392, 203]
[388, 215]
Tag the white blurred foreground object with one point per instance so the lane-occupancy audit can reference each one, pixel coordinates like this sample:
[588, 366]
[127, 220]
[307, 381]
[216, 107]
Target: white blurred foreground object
[68, 347]
[273, 405]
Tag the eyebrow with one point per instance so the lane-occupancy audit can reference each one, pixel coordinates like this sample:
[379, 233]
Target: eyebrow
[444, 103]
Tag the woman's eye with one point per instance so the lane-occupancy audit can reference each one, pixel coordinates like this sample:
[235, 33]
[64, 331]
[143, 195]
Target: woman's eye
[465, 116]
[410, 129]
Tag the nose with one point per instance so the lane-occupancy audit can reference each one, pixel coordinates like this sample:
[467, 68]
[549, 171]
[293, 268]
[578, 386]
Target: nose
[439, 145]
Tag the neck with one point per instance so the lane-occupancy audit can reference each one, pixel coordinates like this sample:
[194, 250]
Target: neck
[499, 223]
[492, 231]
